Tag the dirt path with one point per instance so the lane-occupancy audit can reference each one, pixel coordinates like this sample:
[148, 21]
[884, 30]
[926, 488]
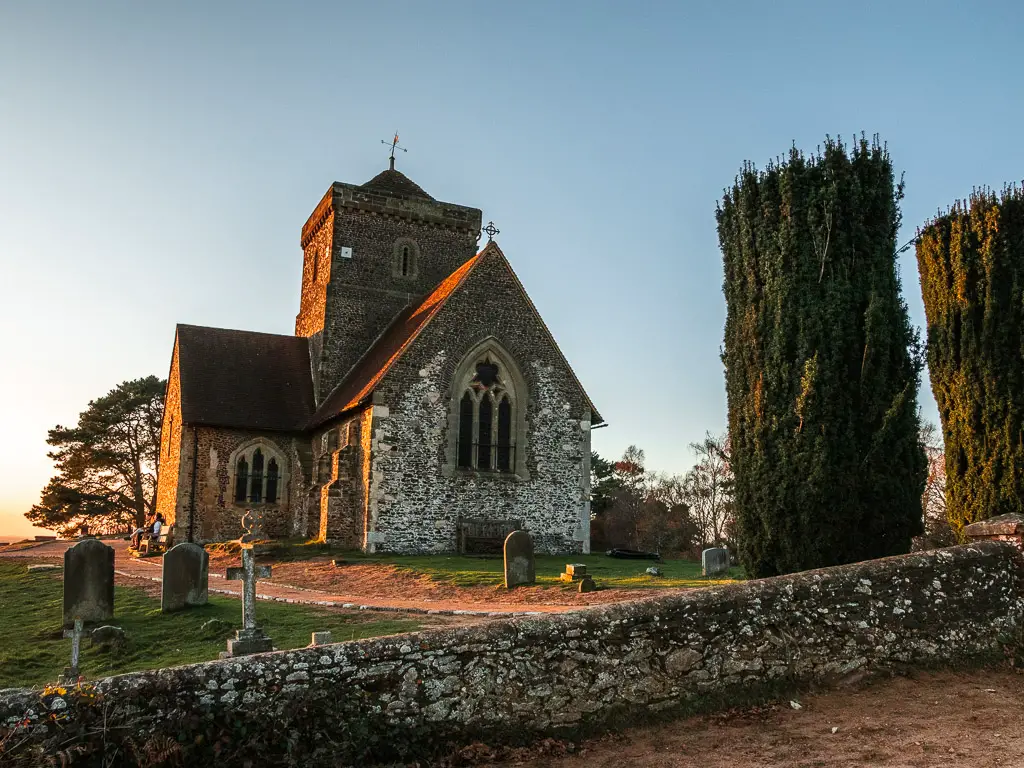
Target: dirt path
[933, 719]
[361, 586]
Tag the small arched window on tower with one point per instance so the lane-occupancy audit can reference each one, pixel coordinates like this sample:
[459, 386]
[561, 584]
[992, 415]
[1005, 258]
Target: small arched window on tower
[405, 263]
[487, 426]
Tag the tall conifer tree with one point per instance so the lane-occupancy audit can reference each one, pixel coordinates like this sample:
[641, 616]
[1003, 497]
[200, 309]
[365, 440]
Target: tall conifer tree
[822, 363]
[971, 262]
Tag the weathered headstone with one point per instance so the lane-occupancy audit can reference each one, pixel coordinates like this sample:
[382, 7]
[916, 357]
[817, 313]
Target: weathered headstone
[587, 584]
[519, 563]
[320, 638]
[88, 582]
[249, 639]
[70, 674]
[186, 574]
[714, 561]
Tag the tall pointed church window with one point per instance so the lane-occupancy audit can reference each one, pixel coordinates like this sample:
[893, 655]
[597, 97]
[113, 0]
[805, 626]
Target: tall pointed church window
[272, 475]
[466, 414]
[256, 487]
[486, 417]
[241, 479]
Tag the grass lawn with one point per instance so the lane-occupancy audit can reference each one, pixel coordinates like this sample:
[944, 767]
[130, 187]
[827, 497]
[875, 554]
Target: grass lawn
[607, 571]
[33, 651]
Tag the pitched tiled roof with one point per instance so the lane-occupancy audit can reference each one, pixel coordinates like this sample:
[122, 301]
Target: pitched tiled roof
[358, 385]
[395, 183]
[244, 379]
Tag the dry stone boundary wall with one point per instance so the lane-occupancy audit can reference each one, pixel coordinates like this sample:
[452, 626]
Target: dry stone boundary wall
[406, 696]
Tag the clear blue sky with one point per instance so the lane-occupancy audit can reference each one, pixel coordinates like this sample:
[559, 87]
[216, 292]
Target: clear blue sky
[158, 160]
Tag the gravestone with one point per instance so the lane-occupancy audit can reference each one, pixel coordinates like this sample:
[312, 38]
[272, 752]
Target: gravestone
[714, 561]
[574, 572]
[186, 573]
[320, 638]
[88, 582]
[519, 562]
[249, 639]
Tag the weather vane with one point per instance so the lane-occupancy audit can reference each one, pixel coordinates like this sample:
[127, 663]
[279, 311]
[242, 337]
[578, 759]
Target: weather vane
[394, 145]
[491, 231]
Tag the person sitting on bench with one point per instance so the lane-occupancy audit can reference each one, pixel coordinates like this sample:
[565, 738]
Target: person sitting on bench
[158, 525]
[139, 532]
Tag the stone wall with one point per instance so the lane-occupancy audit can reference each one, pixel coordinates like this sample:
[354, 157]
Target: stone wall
[364, 295]
[407, 696]
[218, 517]
[417, 495]
[171, 434]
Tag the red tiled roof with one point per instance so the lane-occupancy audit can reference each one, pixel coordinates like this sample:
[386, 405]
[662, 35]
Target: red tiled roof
[358, 385]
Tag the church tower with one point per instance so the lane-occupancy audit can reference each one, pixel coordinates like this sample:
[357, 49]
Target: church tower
[369, 251]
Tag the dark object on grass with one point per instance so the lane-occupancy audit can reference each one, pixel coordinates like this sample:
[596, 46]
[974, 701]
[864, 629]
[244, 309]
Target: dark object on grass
[338, 562]
[109, 638]
[633, 554]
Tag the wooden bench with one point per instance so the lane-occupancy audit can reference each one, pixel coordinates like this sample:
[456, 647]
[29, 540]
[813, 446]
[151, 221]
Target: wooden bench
[485, 536]
[155, 545]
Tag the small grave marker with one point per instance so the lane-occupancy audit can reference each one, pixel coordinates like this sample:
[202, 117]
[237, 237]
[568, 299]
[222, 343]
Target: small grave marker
[714, 561]
[574, 572]
[520, 567]
[70, 675]
[249, 639]
[320, 638]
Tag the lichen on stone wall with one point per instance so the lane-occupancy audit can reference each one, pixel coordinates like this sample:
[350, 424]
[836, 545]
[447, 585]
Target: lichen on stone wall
[409, 696]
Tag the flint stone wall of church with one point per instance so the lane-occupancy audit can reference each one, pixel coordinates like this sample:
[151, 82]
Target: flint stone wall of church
[415, 502]
[218, 517]
[341, 479]
[364, 296]
[410, 696]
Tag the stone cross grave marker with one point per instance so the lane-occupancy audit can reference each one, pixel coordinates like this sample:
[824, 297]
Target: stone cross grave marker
[520, 567]
[70, 675]
[186, 575]
[249, 639]
[88, 582]
[714, 561]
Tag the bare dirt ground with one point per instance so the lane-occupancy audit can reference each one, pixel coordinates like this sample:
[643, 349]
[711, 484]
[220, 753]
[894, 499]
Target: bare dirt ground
[973, 719]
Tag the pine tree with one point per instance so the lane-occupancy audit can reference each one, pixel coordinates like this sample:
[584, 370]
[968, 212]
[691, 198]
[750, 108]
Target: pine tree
[971, 262]
[822, 363]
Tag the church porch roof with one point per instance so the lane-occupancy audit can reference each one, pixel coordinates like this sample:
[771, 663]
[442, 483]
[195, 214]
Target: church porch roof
[244, 379]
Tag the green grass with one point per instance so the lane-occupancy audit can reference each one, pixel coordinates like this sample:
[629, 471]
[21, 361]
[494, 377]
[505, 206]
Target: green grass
[607, 571]
[34, 652]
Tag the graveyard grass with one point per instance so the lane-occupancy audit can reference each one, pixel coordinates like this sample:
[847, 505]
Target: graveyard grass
[607, 571]
[33, 651]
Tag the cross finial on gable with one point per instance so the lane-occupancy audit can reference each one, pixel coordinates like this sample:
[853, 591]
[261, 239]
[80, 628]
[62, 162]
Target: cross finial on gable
[490, 230]
[394, 145]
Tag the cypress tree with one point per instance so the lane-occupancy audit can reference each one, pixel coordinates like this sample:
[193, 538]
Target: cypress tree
[822, 364]
[971, 262]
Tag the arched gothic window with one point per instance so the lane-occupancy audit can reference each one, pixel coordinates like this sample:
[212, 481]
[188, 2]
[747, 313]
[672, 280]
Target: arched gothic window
[487, 415]
[258, 474]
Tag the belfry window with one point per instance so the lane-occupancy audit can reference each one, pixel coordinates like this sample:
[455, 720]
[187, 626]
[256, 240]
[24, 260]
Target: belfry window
[405, 261]
[258, 475]
[486, 410]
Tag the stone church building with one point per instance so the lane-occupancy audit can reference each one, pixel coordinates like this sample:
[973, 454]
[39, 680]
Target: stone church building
[421, 406]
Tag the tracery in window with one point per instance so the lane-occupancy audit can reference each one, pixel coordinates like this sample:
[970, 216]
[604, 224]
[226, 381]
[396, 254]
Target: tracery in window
[258, 474]
[486, 414]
